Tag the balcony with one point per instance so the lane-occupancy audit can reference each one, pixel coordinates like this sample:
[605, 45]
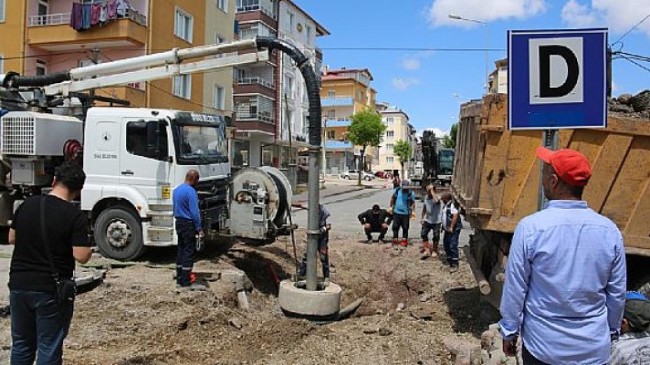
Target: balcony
[255, 85]
[256, 12]
[337, 101]
[338, 122]
[53, 32]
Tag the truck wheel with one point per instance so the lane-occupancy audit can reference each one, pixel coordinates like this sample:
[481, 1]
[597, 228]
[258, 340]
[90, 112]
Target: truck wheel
[367, 178]
[347, 177]
[118, 234]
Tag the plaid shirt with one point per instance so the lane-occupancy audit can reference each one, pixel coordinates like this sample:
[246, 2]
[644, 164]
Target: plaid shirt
[630, 349]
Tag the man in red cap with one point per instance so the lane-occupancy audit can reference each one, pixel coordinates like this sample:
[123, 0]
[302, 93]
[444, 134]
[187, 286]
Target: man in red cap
[565, 279]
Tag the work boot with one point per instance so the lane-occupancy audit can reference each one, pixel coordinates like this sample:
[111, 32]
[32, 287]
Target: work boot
[424, 246]
[433, 250]
[425, 251]
[453, 268]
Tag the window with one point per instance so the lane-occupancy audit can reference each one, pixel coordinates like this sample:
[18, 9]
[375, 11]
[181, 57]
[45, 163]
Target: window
[290, 21]
[359, 95]
[390, 134]
[219, 97]
[183, 25]
[2, 10]
[389, 146]
[2, 69]
[331, 93]
[288, 86]
[331, 114]
[222, 5]
[305, 124]
[389, 159]
[41, 67]
[182, 86]
[331, 134]
[308, 33]
[138, 144]
[390, 121]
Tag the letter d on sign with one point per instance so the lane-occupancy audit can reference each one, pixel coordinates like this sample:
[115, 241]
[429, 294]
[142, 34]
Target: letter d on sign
[555, 72]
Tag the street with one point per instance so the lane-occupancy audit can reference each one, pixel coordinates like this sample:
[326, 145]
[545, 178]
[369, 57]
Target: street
[345, 208]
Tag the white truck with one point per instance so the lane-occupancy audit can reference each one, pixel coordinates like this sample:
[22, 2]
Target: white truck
[133, 157]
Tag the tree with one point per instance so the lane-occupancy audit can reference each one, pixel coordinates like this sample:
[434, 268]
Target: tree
[449, 141]
[404, 151]
[365, 130]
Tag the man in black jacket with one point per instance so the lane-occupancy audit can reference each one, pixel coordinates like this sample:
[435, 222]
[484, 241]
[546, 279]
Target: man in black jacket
[375, 220]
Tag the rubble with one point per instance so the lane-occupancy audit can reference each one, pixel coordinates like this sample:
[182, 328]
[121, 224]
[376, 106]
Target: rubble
[636, 106]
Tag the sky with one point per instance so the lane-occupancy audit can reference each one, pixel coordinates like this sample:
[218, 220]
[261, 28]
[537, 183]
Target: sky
[429, 84]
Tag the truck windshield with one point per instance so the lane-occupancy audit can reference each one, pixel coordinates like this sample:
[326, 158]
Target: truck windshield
[200, 139]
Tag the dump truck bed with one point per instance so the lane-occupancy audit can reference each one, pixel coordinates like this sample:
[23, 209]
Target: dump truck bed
[497, 175]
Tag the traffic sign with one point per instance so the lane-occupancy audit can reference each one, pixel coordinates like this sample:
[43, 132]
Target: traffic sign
[557, 79]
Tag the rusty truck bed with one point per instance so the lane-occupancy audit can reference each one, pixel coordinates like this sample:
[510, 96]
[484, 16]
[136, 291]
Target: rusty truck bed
[497, 175]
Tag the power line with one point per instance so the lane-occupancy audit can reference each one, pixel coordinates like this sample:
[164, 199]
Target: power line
[413, 49]
[41, 55]
[636, 63]
[631, 29]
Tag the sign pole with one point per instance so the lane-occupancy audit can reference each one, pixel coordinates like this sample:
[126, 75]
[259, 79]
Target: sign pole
[550, 140]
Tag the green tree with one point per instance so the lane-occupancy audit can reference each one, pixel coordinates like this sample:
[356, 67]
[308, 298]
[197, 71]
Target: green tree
[404, 151]
[449, 141]
[365, 130]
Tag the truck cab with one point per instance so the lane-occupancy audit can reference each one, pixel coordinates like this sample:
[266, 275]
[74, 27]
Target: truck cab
[134, 158]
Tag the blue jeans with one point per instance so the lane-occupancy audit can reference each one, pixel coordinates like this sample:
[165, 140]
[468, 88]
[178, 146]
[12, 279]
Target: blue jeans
[185, 251]
[38, 326]
[430, 227]
[450, 242]
[401, 221]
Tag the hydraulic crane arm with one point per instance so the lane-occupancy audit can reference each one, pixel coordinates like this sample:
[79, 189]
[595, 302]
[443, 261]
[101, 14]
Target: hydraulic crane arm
[142, 68]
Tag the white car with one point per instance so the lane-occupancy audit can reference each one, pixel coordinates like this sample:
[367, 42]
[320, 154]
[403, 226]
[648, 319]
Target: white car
[354, 174]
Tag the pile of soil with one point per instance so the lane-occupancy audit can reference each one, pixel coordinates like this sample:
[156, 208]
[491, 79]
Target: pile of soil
[410, 306]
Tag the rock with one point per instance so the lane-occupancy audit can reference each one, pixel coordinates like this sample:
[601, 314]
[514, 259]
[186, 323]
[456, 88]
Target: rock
[621, 108]
[400, 307]
[183, 325]
[624, 99]
[385, 332]
[641, 101]
[370, 331]
[425, 297]
[235, 323]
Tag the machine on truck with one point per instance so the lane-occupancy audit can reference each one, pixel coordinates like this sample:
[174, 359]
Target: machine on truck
[437, 165]
[497, 179]
[134, 157]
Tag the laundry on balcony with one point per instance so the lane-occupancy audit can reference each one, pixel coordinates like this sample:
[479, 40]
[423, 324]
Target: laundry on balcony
[92, 13]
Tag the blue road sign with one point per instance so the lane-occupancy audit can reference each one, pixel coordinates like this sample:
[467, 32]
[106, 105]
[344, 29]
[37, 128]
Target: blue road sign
[557, 79]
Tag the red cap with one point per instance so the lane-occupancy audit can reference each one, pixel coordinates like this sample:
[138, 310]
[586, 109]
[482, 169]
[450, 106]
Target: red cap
[571, 166]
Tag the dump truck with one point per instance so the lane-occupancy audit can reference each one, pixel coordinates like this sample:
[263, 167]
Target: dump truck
[497, 183]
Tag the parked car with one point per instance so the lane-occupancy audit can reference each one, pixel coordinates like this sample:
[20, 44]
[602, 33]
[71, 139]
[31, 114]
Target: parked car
[353, 174]
[383, 174]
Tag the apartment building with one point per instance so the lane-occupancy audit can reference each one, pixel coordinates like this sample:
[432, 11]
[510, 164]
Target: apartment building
[343, 93]
[45, 36]
[270, 98]
[397, 128]
[218, 84]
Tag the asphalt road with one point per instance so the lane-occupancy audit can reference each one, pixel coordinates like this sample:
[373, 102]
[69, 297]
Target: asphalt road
[345, 208]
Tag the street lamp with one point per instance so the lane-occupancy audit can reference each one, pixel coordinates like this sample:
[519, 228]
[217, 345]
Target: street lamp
[487, 37]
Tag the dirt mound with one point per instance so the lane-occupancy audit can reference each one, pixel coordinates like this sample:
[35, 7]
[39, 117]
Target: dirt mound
[409, 307]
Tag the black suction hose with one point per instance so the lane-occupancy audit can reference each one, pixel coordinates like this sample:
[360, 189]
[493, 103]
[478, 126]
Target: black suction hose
[14, 80]
[311, 81]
